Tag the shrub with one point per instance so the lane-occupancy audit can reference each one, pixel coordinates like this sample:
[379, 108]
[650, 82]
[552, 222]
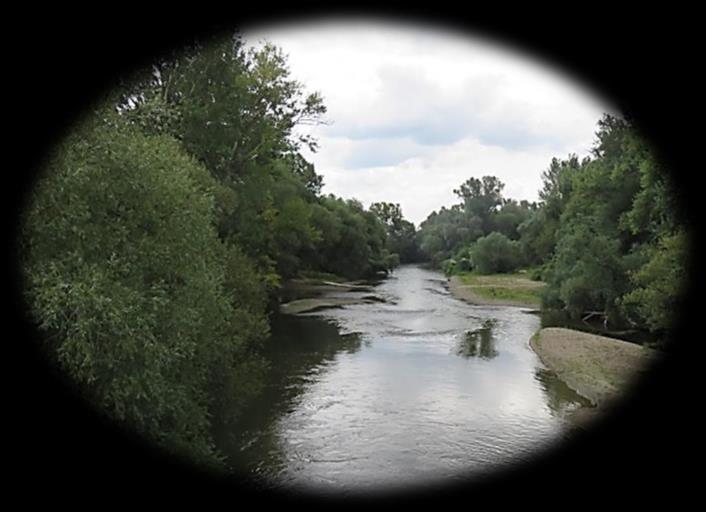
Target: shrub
[496, 253]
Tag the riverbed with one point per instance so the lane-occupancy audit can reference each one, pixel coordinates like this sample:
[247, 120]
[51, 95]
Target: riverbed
[420, 389]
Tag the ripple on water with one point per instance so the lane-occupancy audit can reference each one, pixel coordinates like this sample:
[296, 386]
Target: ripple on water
[431, 387]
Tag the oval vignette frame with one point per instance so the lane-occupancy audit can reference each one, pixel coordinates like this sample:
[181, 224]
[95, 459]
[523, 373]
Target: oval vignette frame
[81, 446]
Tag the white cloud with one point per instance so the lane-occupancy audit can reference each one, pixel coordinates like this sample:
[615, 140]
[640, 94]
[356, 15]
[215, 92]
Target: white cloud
[416, 111]
[425, 183]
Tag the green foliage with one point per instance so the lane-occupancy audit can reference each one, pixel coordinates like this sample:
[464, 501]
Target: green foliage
[459, 263]
[495, 253]
[510, 216]
[237, 111]
[656, 297]
[538, 233]
[352, 241]
[443, 233]
[481, 198]
[401, 234]
[619, 249]
[586, 272]
[605, 236]
[535, 273]
[127, 277]
[483, 211]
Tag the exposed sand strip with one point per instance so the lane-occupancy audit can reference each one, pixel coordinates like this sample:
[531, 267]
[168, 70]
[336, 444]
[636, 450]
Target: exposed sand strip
[598, 368]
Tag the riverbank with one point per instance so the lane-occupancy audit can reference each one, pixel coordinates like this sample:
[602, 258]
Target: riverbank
[598, 368]
[496, 290]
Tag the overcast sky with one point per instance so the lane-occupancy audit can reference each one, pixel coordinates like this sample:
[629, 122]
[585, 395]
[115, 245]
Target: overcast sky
[414, 111]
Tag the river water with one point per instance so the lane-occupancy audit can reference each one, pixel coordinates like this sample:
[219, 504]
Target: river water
[421, 389]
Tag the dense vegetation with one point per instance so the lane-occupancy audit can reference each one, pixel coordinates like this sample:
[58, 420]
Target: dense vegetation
[157, 240]
[483, 222]
[604, 236]
[164, 226]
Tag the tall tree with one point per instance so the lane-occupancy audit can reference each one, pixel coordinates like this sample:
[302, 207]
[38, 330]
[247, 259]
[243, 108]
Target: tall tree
[617, 226]
[128, 280]
[481, 198]
[237, 110]
[401, 234]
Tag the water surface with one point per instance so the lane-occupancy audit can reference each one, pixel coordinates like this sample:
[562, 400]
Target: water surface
[420, 389]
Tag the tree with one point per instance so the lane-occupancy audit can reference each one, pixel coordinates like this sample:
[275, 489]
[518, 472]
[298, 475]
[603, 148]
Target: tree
[538, 232]
[617, 227]
[659, 285]
[508, 218]
[236, 111]
[480, 198]
[443, 233]
[128, 280]
[495, 253]
[586, 272]
[401, 234]
[352, 242]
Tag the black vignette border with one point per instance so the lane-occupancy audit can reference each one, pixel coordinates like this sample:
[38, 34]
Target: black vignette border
[645, 61]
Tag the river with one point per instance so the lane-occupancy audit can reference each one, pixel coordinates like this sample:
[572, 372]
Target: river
[421, 389]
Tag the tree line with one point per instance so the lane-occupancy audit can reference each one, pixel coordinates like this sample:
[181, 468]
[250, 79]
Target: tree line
[157, 239]
[605, 235]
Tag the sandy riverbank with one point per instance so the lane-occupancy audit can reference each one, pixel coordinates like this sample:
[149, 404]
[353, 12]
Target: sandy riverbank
[598, 368]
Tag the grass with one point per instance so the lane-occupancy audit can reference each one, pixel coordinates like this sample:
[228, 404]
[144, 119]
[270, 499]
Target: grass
[516, 287]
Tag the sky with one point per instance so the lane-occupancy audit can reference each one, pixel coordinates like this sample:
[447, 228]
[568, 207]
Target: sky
[414, 111]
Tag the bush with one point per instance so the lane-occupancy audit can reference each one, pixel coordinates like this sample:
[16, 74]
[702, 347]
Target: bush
[496, 253]
[449, 266]
[586, 273]
[536, 273]
[464, 265]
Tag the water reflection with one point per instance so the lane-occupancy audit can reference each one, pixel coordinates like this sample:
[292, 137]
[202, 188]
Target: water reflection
[479, 342]
[561, 399]
[424, 387]
[300, 350]
[298, 342]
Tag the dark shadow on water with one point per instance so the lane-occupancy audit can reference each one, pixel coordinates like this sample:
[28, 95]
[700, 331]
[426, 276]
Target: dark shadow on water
[479, 342]
[561, 399]
[302, 341]
[298, 351]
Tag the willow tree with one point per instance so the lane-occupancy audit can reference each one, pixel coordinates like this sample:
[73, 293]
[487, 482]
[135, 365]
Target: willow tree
[126, 279]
